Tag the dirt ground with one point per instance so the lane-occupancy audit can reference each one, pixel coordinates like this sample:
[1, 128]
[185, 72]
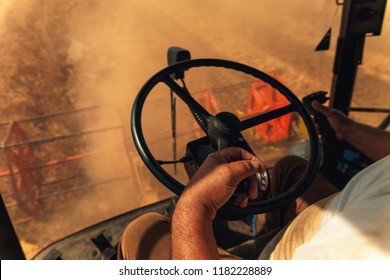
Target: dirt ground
[65, 55]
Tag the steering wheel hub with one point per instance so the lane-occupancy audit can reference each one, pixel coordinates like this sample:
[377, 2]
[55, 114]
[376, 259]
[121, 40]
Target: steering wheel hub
[224, 128]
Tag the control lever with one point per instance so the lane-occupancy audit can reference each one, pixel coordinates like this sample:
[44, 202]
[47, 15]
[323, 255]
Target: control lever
[325, 130]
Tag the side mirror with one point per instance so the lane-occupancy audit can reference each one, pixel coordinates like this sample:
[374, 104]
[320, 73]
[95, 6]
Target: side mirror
[177, 54]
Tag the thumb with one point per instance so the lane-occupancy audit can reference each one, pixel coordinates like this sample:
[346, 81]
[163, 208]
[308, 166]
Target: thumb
[243, 169]
[326, 111]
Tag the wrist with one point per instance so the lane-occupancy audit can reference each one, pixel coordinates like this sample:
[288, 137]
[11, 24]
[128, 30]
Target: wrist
[192, 232]
[193, 208]
[188, 219]
[348, 130]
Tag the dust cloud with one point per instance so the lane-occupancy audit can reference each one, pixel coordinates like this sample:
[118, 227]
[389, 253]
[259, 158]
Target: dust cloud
[67, 55]
[60, 56]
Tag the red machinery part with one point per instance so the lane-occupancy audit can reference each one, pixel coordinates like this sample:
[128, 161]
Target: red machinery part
[262, 98]
[26, 182]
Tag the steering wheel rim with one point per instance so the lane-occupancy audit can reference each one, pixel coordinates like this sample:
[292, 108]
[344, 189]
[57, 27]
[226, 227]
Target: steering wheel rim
[229, 211]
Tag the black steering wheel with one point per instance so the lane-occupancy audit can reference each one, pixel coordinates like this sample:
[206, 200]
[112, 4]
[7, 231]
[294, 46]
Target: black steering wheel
[229, 211]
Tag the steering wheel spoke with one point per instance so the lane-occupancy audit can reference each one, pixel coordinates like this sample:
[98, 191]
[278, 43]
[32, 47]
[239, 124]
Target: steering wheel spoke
[184, 95]
[262, 118]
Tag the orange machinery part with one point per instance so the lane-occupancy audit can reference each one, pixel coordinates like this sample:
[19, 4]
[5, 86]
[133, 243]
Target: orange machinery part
[263, 98]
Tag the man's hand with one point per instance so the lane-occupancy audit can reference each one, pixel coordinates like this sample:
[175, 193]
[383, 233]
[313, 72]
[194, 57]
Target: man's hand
[217, 179]
[208, 190]
[371, 141]
[340, 123]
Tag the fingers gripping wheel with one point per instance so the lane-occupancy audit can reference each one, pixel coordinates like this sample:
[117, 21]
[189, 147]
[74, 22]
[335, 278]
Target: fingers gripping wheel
[233, 130]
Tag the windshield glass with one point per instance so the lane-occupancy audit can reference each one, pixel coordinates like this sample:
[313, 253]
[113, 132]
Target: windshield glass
[70, 71]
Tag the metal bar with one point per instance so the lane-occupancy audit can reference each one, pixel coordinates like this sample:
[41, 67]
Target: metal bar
[12, 177]
[59, 161]
[13, 204]
[44, 140]
[22, 221]
[385, 122]
[55, 182]
[169, 137]
[348, 57]
[213, 90]
[7, 135]
[10, 248]
[230, 88]
[7, 195]
[370, 110]
[52, 115]
[264, 117]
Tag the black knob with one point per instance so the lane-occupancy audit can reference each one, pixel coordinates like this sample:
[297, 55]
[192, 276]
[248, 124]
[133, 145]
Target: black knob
[223, 129]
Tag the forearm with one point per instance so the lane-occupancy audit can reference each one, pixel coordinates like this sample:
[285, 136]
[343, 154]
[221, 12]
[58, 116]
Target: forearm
[208, 190]
[371, 141]
[192, 233]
